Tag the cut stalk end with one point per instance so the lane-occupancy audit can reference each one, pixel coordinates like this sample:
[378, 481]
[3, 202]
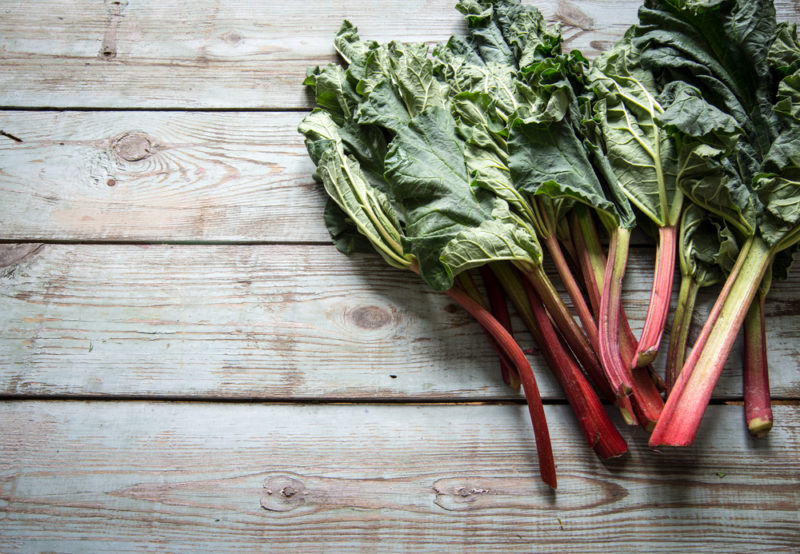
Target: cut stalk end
[646, 358]
[759, 427]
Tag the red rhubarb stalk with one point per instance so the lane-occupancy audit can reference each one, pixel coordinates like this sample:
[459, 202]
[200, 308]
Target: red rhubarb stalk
[573, 290]
[599, 432]
[506, 342]
[757, 405]
[563, 320]
[499, 309]
[656, 317]
[597, 427]
[685, 406]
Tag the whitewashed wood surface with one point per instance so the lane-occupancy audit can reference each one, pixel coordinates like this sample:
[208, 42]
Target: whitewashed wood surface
[122, 476]
[276, 321]
[186, 364]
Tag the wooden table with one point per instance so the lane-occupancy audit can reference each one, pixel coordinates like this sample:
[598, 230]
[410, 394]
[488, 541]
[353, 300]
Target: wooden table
[187, 364]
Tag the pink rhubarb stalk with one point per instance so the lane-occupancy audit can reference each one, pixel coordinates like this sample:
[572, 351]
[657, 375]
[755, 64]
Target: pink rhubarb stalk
[657, 311]
[610, 303]
[573, 290]
[686, 404]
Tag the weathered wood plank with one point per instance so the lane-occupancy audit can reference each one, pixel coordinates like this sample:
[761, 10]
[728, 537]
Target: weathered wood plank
[273, 322]
[156, 176]
[110, 476]
[237, 54]
[230, 54]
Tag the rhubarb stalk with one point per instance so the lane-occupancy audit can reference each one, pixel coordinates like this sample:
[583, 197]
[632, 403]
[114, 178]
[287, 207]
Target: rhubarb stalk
[657, 310]
[610, 302]
[645, 401]
[563, 320]
[686, 404]
[757, 406]
[597, 427]
[681, 324]
[499, 309]
[506, 342]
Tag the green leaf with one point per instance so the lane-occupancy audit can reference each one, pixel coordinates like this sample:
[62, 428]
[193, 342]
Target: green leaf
[412, 73]
[547, 158]
[509, 32]
[783, 54]
[641, 155]
[343, 231]
[707, 248]
[721, 48]
[789, 96]
[779, 190]
[427, 171]
[333, 92]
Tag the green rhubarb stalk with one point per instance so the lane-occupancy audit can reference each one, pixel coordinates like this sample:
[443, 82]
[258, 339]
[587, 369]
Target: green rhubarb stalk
[757, 405]
[681, 324]
[610, 303]
[686, 404]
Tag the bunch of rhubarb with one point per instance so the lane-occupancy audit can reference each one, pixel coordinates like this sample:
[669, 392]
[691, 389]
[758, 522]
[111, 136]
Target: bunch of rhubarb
[482, 156]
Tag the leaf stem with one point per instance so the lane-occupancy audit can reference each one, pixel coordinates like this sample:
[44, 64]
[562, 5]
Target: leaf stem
[610, 302]
[597, 427]
[757, 405]
[563, 320]
[547, 468]
[573, 290]
[592, 261]
[692, 391]
[499, 309]
[681, 324]
[657, 311]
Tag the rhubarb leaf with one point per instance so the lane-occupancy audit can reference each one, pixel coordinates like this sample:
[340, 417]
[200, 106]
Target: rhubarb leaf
[450, 226]
[640, 153]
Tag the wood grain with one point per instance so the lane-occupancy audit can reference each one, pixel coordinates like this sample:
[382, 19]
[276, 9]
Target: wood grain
[274, 322]
[236, 54]
[157, 176]
[111, 476]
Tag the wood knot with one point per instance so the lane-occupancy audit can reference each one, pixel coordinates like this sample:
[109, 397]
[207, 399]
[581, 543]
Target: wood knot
[463, 493]
[11, 255]
[133, 147]
[370, 317]
[231, 37]
[283, 493]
